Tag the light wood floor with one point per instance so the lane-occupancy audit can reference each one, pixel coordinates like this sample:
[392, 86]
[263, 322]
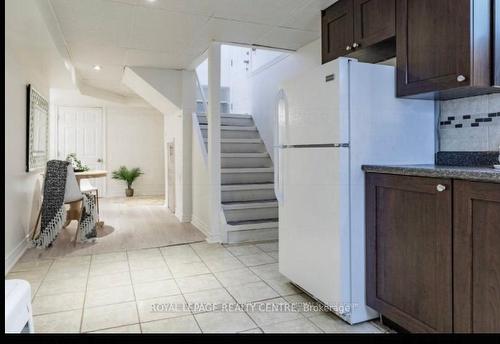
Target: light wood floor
[135, 223]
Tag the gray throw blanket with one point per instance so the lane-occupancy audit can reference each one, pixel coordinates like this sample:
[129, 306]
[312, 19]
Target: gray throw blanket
[53, 209]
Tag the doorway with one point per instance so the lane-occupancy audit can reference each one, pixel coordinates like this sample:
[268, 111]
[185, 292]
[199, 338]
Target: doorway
[171, 176]
[80, 131]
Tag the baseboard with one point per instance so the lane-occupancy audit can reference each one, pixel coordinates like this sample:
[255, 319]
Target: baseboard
[12, 258]
[202, 226]
[183, 218]
[121, 194]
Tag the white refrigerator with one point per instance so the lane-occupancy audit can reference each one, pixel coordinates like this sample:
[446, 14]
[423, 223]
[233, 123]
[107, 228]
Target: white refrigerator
[332, 120]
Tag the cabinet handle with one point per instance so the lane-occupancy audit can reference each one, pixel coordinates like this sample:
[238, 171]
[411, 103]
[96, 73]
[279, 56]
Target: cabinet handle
[348, 48]
[440, 188]
[461, 78]
[356, 45]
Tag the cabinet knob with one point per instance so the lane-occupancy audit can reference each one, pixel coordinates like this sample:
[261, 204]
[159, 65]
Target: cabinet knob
[348, 48]
[440, 188]
[461, 78]
[356, 45]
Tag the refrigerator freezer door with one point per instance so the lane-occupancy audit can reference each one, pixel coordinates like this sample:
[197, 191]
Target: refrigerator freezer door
[317, 106]
[314, 223]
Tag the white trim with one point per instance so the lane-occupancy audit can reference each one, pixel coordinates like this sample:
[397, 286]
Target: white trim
[105, 149]
[201, 139]
[183, 218]
[256, 46]
[12, 258]
[269, 64]
[202, 226]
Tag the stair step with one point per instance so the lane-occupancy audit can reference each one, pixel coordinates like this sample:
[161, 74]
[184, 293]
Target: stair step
[253, 224]
[244, 155]
[231, 128]
[228, 115]
[248, 170]
[250, 205]
[240, 187]
[252, 235]
[252, 141]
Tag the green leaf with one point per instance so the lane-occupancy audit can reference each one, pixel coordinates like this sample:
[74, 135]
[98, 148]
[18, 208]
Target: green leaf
[129, 176]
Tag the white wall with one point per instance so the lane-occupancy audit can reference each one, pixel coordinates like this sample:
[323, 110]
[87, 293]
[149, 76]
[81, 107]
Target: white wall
[133, 138]
[200, 186]
[30, 58]
[266, 83]
[22, 190]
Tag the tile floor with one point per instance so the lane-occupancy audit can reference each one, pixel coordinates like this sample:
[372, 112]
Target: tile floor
[192, 288]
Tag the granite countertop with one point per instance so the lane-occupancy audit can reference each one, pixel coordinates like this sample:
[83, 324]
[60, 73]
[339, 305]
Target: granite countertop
[485, 174]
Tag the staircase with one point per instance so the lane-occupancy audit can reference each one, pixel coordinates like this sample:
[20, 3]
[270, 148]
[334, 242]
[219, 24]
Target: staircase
[247, 176]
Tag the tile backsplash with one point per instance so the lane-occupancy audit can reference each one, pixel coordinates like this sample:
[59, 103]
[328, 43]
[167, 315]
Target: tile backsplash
[470, 124]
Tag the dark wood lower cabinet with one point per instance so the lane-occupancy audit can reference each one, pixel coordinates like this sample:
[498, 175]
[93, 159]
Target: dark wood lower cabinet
[433, 253]
[409, 235]
[476, 258]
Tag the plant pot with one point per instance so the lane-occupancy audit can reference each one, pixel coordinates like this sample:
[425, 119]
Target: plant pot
[129, 192]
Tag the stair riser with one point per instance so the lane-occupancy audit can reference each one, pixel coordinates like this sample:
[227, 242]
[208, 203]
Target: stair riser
[231, 121]
[246, 162]
[243, 148]
[235, 134]
[247, 178]
[252, 235]
[248, 195]
[251, 214]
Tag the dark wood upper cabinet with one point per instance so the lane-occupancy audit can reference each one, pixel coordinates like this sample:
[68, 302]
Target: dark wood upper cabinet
[337, 30]
[445, 48]
[476, 257]
[363, 29]
[409, 255]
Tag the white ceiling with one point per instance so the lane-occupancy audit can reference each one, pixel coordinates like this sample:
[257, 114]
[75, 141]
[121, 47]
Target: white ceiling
[172, 33]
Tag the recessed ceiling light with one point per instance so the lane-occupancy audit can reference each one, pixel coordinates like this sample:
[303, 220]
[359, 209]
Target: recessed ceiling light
[97, 67]
[151, 0]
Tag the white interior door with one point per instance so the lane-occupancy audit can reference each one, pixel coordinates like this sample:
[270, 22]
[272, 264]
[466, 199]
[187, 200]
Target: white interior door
[80, 131]
[238, 80]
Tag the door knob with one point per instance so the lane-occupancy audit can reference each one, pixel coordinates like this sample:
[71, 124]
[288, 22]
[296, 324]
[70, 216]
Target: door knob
[461, 78]
[99, 160]
[356, 45]
[440, 188]
[348, 48]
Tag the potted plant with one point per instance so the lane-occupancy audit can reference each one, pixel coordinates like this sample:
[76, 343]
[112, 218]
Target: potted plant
[78, 166]
[129, 176]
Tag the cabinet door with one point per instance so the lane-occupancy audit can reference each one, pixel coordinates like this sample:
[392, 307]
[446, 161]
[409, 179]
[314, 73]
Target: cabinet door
[476, 257]
[433, 45]
[409, 256]
[337, 30]
[374, 21]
